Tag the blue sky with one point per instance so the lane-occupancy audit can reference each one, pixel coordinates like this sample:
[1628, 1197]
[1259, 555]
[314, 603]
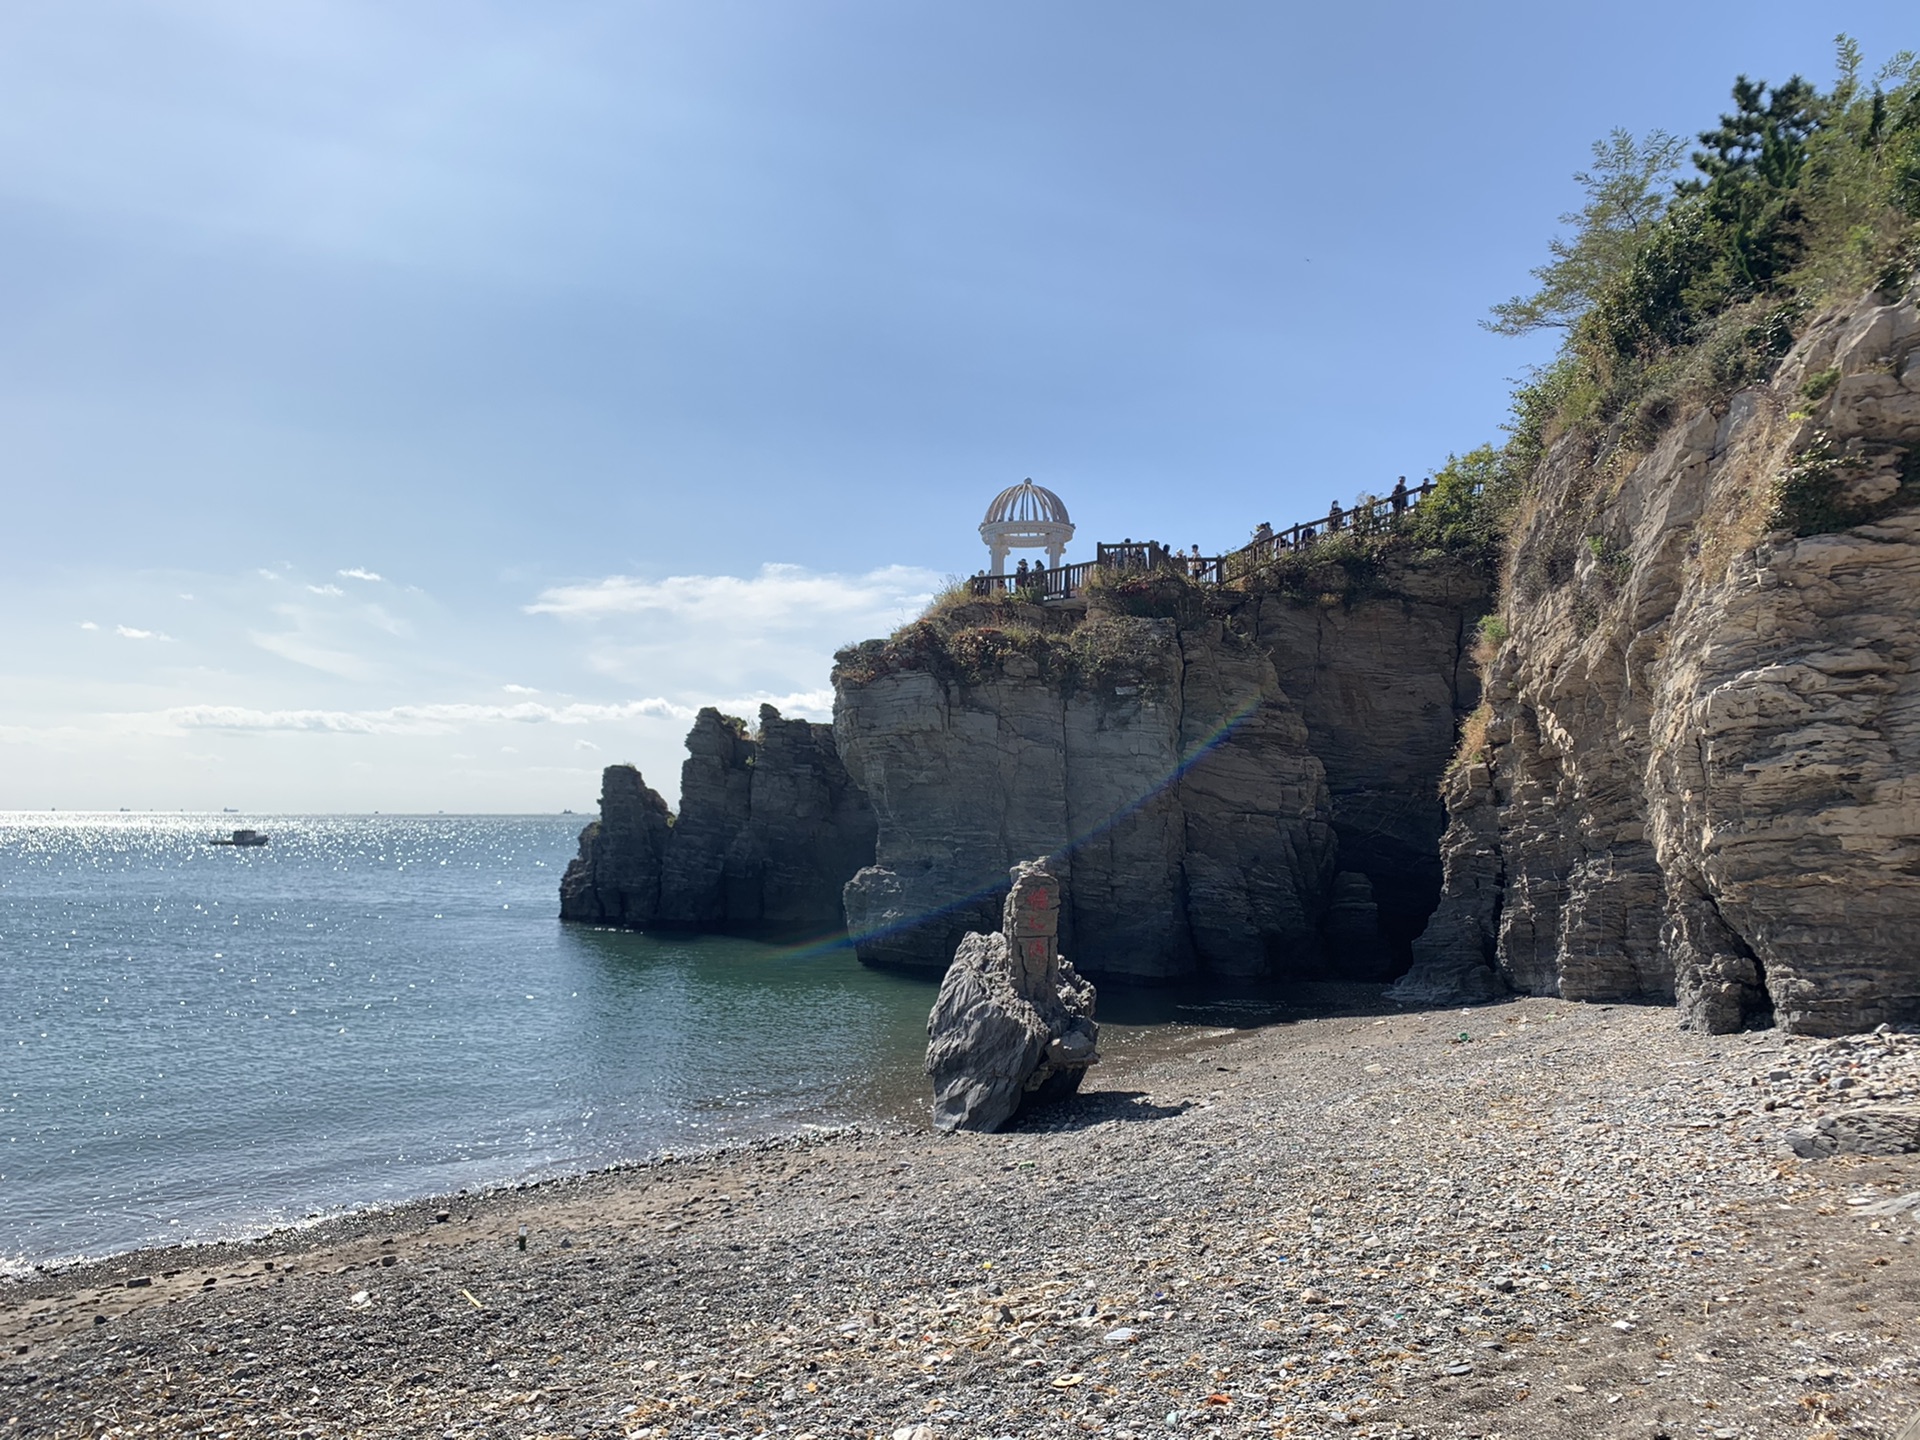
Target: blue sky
[417, 406]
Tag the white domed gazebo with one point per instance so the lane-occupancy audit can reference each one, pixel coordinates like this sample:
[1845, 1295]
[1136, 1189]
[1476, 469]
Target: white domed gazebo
[1028, 517]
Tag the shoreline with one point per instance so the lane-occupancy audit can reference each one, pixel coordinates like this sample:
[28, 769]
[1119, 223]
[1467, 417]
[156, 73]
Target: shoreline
[891, 1112]
[1575, 1221]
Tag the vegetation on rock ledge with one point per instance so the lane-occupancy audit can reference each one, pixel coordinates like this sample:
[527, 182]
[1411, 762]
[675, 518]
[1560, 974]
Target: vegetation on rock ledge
[1673, 296]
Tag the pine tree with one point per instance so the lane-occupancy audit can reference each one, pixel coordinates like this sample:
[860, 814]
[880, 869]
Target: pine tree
[1752, 165]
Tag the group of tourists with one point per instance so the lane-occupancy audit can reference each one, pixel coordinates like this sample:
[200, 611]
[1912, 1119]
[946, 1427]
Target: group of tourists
[1362, 520]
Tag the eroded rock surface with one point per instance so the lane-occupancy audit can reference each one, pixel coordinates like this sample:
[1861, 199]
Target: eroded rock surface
[1013, 1024]
[1169, 778]
[769, 831]
[1863, 1130]
[615, 879]
[1184, 786]
[1199, 775]
[1701, 775]
[1382, 680]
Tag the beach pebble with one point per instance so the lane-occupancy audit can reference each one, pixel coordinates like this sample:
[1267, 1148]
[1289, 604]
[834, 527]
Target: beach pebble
[1580, 1225]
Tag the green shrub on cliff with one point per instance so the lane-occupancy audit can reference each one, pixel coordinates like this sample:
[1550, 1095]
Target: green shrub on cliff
[968, 645]
[1467, 508]
[1156, 594]
[1674, 298]
[1828, 489]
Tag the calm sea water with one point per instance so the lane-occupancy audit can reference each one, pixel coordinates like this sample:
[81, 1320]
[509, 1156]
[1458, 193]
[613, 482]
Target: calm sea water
[203, 1041]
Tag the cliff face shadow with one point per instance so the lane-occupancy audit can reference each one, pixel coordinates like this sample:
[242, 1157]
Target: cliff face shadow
[1246, 1005]
[1088, 1109]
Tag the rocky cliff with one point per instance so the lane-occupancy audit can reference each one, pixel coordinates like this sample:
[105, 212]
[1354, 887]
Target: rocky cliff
[769, 831]
[1149, 746]
[615, 879]
[1697, 774]
[1381, 667]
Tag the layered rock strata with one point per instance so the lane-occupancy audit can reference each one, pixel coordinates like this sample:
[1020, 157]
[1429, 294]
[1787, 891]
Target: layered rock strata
[1178, 784]
[1157, 764]
[1700, 775]
[1013, 1026]
[769, 831]
[1382, 677]
[615, 879]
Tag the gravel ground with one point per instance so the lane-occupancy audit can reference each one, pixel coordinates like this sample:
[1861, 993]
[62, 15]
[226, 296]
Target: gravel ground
[1531, 1219]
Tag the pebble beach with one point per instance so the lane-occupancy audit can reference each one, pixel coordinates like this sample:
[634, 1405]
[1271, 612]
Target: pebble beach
[1522, 1220]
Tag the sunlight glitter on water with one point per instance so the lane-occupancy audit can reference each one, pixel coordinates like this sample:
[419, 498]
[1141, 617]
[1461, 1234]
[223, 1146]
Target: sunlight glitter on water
[205, 1040]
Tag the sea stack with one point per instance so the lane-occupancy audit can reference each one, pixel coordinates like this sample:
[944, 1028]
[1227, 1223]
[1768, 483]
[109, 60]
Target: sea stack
[1013, 1024]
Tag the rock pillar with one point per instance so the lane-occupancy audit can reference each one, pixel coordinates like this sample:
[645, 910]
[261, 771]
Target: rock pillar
[1013, 1025]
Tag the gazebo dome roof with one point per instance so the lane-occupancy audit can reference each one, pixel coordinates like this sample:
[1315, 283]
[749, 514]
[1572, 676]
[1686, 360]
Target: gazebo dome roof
[1026, 504]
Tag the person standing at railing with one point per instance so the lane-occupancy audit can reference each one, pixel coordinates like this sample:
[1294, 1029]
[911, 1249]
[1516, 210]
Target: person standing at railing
[1334, 516]
[1399, 496]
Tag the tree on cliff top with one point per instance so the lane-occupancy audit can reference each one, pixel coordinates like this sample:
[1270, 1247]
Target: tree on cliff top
[1674, 299]
[1627, 192]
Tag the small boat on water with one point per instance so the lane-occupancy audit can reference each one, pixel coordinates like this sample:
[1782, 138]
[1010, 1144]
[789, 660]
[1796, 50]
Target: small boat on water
[242, 837]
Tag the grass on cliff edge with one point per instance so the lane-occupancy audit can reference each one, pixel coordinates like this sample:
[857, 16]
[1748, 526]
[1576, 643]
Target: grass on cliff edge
[971, 639]
[1673, 294]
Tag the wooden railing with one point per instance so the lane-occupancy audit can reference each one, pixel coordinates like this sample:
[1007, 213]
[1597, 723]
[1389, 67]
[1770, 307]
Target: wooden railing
[1063, 582]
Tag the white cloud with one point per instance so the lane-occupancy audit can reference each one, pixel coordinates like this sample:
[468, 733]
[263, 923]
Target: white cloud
[767, 634]
[128, 632]
[519, 689]
[326, 590]
[358, 574]
[377, 617]
[779, 597]
[815, 704]
[88, 625]
[585, 745]
[421, 719]
[302, 651]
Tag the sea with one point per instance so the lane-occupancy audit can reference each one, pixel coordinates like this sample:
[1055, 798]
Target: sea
[204, 1042]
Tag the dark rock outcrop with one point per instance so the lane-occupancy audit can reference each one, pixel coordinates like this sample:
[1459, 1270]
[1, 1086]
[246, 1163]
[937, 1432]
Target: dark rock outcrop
[716, 801]
[1382, 677]
[615, 879]
[1453, 956]
[1013, 1025]
[770, 829]
[1863, 1130]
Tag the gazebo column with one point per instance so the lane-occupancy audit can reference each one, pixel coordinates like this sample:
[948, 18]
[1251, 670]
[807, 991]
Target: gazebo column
[998, 550]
